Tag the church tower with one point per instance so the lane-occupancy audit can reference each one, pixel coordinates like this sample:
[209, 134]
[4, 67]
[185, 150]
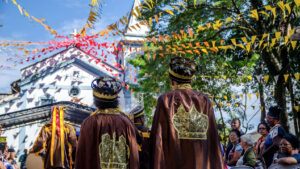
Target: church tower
[130, 45]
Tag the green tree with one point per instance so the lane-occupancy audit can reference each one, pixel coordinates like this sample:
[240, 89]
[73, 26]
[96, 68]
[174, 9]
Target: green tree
[276, 61]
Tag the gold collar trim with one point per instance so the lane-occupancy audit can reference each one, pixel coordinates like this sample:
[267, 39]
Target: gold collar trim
[182, 86]
[139, 114]
[107, 111]
[179, 76]
[104, 96]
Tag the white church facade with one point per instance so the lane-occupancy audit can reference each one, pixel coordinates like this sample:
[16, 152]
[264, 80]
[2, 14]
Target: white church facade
[64, 78]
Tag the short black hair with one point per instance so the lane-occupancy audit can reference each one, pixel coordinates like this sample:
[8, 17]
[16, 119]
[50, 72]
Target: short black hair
[104, 104]
[292, 139]
[265, 124]
[237, 132]
[236, 119]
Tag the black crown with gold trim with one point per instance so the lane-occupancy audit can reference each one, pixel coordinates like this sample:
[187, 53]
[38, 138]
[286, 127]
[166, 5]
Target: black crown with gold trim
[182, 69]
[106, 88]
[138, 111]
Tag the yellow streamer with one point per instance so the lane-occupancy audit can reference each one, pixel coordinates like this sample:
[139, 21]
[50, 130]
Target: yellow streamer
[297, 2]
[26, 14]
[62, 136]
[281, 6]
[257, 94]
[182, 5]
[14, 2]
[254, 14]
[294, 44]
[228, 20]
[233, 41]
[286, 76]
[176, 8]
[53, 135]
[266, 78]
[273, 43]
[248, 47]
[269, 8]
[296, 108]
[244, 39]
[297, 76]
[169, 11]
[287, 6]
[20, 9]
[286, 39]
[253, 38]
[264, 13]
[277, 35]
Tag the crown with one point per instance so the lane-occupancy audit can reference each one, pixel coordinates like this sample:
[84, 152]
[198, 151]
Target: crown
[191, 124]
[113, 153]
[104, 96]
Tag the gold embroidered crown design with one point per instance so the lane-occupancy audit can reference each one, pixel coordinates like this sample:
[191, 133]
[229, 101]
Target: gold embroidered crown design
[191, 124]
[113, 153]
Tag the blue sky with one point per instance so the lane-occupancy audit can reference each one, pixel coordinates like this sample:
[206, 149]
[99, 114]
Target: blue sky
[61, 15]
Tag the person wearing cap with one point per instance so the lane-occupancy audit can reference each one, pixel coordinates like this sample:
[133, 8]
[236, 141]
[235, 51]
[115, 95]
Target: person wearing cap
[271, 145]
[11, 163]
[107, 137]
[288, 151]
[58, 140]
[184, 132]
[143, 137]
[139, 118]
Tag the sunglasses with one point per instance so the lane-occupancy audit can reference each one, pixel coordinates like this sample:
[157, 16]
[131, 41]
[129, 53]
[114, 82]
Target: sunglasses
[261, 128]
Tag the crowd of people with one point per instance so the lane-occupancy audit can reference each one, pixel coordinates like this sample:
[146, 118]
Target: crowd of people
[8, 159]
[274, 146]
[183, 134]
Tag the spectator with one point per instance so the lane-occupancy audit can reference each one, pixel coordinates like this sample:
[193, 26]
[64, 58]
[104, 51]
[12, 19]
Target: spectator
[288, 151]
[263, 129]
[271, 144]
[12, 164]
[248, 159]
[2, 164]
[236, 150]
[235, 125]
[23, 158]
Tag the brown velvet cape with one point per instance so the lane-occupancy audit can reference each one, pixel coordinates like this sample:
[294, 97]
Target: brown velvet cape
[170, 152]
[98, 126]
[43, 142]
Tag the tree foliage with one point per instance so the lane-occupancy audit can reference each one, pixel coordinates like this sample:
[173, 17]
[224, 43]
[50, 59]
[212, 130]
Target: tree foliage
[236, 64]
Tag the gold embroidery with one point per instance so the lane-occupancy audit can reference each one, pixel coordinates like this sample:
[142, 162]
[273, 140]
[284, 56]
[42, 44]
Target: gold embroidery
[113, 154]
[179, 76]
[183, 86]
[191, 124]
[107, 111]
[104, 96]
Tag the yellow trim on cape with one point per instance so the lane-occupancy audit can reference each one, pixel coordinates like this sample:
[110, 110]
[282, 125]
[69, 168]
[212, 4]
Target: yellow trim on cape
[138, 115]
[182, 86]
[104, 96]
[107, 111]
[53, 135]
[62, 136]
[179, 76]
[146, 134]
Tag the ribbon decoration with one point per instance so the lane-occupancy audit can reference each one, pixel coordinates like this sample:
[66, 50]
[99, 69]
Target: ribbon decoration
[22, 10]
[57, 127]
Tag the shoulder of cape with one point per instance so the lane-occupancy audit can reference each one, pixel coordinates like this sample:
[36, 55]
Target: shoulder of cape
[69, 125]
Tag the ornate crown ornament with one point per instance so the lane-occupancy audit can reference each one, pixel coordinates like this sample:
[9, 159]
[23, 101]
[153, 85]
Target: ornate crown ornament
[191, 124]
[113, 153]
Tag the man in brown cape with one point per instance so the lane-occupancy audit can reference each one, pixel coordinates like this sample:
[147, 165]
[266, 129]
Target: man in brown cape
[107, 137]
[184, 133]
[58, 139]
[143, 137]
